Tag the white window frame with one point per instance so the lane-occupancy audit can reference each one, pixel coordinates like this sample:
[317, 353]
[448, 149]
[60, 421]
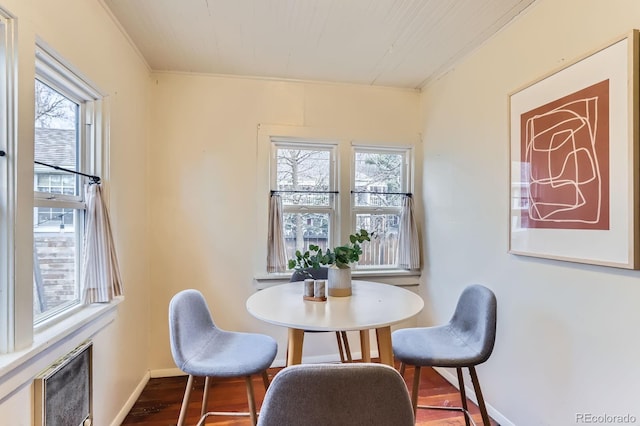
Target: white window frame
[57, 74]
[405, 181]
[344, 139]
[342, 217]
[333, 209]
[8, 144]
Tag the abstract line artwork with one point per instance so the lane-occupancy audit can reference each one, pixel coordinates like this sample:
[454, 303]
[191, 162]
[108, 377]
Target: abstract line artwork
[565, 156]
[574, 160]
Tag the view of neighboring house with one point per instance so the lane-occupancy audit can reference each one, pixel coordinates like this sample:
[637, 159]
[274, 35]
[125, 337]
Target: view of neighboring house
[55, 266]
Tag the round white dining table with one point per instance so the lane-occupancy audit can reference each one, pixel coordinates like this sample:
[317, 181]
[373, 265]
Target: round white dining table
[371, 306]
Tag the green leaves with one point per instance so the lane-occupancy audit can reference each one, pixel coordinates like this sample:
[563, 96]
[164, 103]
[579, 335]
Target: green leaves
[341, 256]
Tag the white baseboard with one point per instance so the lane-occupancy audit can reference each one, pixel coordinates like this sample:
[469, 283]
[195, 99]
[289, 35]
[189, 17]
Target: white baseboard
[493, 413]
[281, 362]
[131, 401]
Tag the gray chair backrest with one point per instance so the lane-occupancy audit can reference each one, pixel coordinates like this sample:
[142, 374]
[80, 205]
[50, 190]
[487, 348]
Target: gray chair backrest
[338, 395]
[474, 320]
[316, 274]
[189, 323]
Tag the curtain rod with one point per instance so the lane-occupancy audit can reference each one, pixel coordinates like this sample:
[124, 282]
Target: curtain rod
[94, 179]
[273, 191]
[408, 194]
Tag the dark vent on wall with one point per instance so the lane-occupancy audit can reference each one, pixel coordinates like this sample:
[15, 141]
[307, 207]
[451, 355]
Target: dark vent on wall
[63, 391]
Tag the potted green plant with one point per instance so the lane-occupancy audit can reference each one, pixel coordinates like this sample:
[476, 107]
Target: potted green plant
[338, 261]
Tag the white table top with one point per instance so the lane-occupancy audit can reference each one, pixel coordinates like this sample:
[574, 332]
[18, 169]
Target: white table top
[371, 305]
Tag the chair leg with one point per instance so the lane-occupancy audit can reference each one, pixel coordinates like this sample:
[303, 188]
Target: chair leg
[185, 401]
[265, 379]
[463, 395]
[481, 404]
[347, 349]
[252, 400]
[416, 388]
[340, 349]
[205, 396]
[402, 367]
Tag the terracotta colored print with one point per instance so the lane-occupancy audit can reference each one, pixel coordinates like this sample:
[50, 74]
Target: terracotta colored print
[565, 155]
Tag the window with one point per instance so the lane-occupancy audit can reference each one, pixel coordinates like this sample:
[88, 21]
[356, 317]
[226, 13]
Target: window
[8, 143]
[379, 182]
[64, 138]
[306, 175]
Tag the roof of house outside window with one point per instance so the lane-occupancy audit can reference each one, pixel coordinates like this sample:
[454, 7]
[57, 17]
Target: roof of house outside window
[56, 147]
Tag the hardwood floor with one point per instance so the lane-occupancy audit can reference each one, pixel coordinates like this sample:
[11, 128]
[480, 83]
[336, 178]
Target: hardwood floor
[159, 403]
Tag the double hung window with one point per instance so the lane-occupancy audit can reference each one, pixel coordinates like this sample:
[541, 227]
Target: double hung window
[379, 182]
[64, 138]
[305, 178]
[308, 176]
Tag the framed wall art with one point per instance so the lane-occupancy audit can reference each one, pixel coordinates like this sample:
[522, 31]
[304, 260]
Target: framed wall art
[574, 160]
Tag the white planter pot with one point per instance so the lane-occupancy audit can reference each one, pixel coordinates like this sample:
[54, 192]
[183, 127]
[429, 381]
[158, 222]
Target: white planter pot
[339, 281]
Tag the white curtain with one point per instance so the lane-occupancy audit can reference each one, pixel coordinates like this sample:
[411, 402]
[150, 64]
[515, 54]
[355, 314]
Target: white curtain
[408, 244]
[276, 253]
[101, 280]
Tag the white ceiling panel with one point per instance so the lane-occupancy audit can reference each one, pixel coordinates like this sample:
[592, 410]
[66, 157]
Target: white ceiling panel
[399, 43]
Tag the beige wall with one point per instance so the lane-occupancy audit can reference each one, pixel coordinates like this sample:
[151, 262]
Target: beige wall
[566, 332]
[208, 193]
[83, 34]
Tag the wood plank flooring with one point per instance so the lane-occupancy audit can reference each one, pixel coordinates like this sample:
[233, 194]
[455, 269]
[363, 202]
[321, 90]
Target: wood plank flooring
[159, 403]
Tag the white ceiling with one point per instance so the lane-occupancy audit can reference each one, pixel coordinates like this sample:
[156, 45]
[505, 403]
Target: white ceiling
[400, 43]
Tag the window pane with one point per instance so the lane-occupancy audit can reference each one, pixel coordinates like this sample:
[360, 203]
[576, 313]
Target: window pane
[302, 229]
[382, 249]
[56, 141]
[55, 183]
[54, 219]
[55, 261]
[377, 173]
[303, 170]
[56, 230]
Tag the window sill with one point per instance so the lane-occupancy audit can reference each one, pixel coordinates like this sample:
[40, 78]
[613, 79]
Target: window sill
[395, 277]
[20, 367]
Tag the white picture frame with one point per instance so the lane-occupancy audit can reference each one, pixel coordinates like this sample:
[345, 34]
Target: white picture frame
[574, 160]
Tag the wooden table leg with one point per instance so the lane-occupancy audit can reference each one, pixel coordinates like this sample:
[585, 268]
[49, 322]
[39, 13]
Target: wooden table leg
[365, 346]
[294, 349]
[385, 350]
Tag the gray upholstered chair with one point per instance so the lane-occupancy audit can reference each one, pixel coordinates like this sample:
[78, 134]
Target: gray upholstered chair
[466, 341]
[341, 336]
[199, 348]
[338, 395]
